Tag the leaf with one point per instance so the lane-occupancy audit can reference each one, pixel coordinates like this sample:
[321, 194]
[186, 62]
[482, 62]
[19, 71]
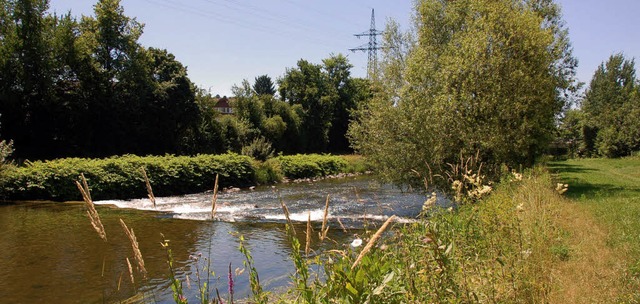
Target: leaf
[384, 283]
[360, 276]
[449, 249]
[351, 289]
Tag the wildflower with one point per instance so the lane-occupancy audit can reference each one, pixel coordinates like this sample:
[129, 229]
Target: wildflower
[429, 202]
[562, 188]
[356, 243]
[230, 284]
[516, 176]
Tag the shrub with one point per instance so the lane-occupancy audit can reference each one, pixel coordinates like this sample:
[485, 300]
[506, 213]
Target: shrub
[260, 149]
[120, 177]
[311, 165]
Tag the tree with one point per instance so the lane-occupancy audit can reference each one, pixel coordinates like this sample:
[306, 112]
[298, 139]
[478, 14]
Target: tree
[173, 111]
[349, 92]
[611, 105]
[27, 101]
[112, 40]
[570, 132]
[264, 86]
[486, 76]
[307, 86]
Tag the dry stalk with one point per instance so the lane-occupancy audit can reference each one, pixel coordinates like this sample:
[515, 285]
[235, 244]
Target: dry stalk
[307, 247]
[325, 228]
[344, 229]
[286, 214]
[152, 198]
[91, 209]
[133, 281]
[120, 280]
[136, 249]
[373, 240]
[215, 198]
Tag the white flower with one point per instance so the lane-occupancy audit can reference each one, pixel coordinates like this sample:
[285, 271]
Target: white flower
[356, 243]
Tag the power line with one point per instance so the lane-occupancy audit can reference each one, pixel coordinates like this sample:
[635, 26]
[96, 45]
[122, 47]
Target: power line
[171, 4]
[372, 47]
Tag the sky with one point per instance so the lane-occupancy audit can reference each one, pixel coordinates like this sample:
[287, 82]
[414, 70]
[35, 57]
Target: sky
[223, 42]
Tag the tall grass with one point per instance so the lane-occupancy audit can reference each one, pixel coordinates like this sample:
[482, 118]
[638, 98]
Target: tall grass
[500, 249]
[94, 217]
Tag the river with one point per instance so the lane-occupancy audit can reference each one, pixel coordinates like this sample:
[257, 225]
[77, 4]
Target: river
[51, 254]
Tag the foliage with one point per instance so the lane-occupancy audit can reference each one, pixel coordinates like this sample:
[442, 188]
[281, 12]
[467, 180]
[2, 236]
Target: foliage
[259, 148]
[307, 86]
[78, 86]
[86, 87]
[120, 177]
[326, 95]
[311, 165]
[264, 86]
[487, 76]
[499, 250]
[611, 107]
[6, 148]
[571, 133]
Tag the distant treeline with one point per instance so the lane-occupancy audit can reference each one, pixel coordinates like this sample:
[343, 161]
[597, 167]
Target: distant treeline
[86, 87]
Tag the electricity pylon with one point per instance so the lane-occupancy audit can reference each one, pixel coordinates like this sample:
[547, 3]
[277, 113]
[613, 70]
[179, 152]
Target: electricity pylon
[371, 47]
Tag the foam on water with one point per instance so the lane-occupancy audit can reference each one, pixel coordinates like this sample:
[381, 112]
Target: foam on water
[263, 205]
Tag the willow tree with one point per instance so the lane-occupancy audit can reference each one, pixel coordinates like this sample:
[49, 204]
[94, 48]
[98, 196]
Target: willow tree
[486, 76]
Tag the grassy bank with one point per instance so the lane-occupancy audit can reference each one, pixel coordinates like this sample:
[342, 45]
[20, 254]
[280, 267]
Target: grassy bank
[526, 243]
[607, 191]
[121, 177]
[498, 250]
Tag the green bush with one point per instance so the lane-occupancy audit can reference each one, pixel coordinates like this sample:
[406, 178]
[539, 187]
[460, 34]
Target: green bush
[120, 177]
[260, 149]
[311, 165]
[268, 172]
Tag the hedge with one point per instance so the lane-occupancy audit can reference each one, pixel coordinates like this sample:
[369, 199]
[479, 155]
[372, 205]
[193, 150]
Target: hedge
[120, 177]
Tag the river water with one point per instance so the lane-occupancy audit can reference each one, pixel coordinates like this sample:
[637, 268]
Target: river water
[51, 254]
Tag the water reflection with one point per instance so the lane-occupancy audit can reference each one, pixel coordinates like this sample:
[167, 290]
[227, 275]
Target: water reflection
[51, 254]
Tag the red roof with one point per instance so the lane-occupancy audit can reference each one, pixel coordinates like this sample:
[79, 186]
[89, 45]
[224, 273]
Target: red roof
[222, 103]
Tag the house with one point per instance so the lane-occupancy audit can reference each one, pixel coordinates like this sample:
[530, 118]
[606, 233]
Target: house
[223, 106]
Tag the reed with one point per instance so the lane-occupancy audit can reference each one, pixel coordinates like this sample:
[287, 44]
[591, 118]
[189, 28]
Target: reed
[215, 198]
[373, 240]
[286, 214]
[344, 229]
[325, 228]
[136, 249]
[152, 198]
[133, 280]
[94, 217]
[307, 246]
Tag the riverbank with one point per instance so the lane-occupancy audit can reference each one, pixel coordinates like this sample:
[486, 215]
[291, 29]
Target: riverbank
[121, 177]
[530, 241]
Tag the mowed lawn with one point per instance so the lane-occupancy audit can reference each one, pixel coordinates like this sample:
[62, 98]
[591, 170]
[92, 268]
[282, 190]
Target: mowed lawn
[604, 211]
